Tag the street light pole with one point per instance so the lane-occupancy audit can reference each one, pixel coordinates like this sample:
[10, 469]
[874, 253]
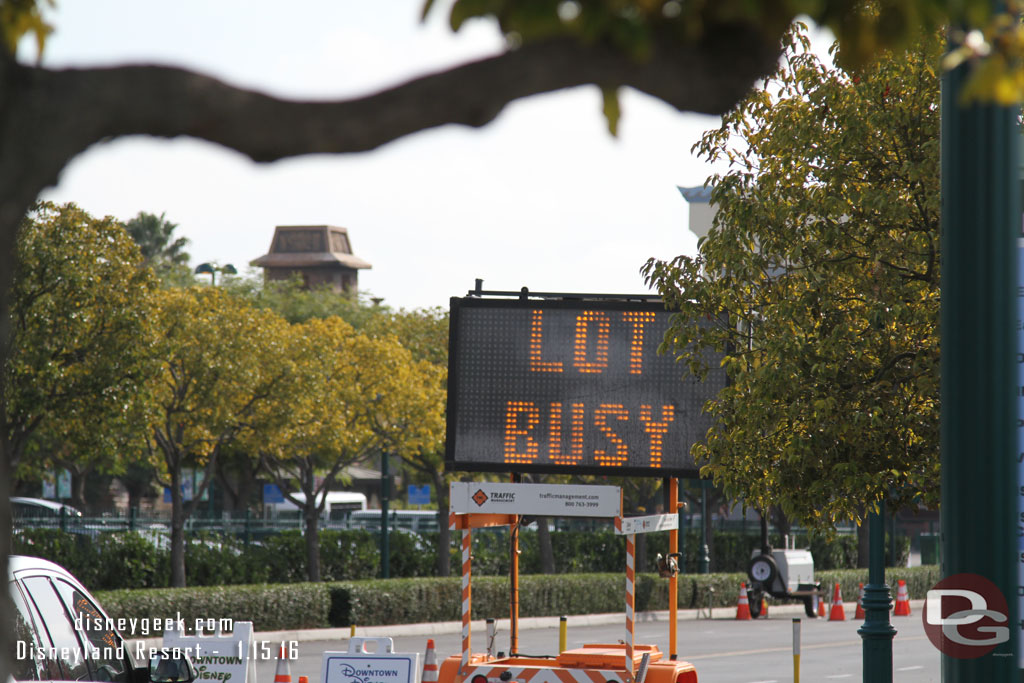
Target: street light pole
[212, 269]
[980, 221]
[704, 560]
[877, 631]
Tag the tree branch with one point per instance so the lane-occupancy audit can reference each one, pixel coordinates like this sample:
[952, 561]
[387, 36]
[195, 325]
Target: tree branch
[707, 76]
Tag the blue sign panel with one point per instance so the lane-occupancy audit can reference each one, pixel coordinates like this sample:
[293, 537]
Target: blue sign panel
[419, 495]
[272, 494]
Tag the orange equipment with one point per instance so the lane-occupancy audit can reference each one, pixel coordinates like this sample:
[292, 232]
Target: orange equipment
[430, 663]
[902, 608]
[838, 612]
[743, 606]
[283, 674]
[859, 614]
[624, 662]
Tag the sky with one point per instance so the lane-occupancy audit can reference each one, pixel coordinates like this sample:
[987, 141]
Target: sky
[543, 197]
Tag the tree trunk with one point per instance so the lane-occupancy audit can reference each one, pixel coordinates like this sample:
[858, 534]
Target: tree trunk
[10, 218]
[443, 565]
[6, 605]
[78, 489]
[311, 514]
[547, 553]
[863, 545]
[177, 531]
[781, 521]
[246, 484]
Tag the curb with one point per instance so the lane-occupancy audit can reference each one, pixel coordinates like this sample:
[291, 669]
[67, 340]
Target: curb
[449, 627]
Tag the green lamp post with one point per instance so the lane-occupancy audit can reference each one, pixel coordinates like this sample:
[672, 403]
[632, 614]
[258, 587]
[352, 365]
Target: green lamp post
[980, 221]
[212, 269]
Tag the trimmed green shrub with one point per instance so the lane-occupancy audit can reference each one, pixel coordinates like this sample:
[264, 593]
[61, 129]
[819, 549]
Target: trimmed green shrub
[139, 563]
[213, 559]
[352, 555]
[270, 608]
[377, 602]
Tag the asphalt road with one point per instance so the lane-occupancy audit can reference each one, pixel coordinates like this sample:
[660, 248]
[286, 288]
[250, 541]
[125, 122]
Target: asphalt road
[723, 650]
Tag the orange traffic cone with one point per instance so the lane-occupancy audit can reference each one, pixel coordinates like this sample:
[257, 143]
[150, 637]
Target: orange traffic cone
[838, 612]
[859, 614]
[821, 605]
[303, 679]
[743, 606]
[284, 672]
[902, 608]
[764, 606]
[430, 663]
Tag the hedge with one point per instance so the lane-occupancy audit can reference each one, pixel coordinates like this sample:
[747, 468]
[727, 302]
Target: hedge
[215, 559]
[274, 607]
[379, 602]
[350, 555]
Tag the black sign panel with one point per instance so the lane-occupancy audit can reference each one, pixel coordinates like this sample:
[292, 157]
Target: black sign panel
[570, 386]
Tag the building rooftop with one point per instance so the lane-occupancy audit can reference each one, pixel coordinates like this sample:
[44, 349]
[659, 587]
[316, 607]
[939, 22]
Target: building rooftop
[304, 246]
[697, 195]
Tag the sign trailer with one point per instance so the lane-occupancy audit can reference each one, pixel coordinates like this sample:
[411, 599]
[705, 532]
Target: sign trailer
[569, 384]
[623, 662]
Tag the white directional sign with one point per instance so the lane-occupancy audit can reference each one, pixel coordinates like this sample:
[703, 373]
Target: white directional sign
[220, 657]
[371, 660]
[545, 500]
[644, 525]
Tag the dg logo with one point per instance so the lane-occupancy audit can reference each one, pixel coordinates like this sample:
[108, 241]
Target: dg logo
[965, 616]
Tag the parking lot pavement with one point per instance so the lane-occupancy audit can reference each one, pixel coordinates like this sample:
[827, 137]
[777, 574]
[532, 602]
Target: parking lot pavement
[723, 649]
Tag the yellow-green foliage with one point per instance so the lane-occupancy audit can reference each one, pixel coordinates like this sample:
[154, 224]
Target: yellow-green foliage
[822, 272]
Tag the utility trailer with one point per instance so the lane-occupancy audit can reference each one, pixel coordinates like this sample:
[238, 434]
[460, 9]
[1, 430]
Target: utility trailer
[786, 573]
[477, 505]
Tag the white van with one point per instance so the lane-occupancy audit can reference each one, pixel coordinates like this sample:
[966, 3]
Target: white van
[338, 506]
[410, 520]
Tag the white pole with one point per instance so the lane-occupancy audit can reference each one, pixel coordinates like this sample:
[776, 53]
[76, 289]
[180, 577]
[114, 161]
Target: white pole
[796, 650]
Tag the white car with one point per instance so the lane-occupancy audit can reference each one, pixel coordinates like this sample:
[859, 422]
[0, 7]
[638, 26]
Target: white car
[61, 632]
[40, 508]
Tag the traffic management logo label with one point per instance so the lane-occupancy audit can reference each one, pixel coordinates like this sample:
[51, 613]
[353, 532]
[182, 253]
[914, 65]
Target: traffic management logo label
[965, 616]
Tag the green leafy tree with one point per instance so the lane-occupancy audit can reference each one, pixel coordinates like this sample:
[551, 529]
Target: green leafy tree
[354, 396]
[161, 251]
[296, 303]
[821, 280]
[155, 237]
[222, 360]
[701, 56]
[79, 358]
[424, 332]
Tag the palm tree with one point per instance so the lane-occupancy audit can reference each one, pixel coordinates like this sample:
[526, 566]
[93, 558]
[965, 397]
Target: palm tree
[153, 234]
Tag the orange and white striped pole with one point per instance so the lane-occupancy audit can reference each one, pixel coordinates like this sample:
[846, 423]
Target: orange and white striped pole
[630, 595]
[467, 602]
[630, 600]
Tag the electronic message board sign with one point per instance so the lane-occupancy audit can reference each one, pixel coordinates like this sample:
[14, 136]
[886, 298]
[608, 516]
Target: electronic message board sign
[571, 386]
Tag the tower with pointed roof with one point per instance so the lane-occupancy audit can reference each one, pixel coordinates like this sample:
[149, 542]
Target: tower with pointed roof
[321, 255]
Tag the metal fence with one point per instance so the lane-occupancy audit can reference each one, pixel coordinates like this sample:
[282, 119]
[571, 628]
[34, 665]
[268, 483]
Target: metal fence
[244, 527]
